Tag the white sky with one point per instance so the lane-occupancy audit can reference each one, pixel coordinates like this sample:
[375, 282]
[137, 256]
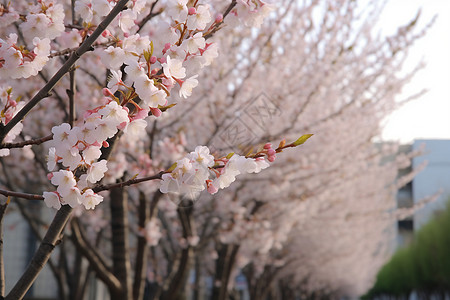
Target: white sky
[429, 116]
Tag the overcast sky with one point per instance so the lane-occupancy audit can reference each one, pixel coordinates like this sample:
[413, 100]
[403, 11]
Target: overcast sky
[428, 117]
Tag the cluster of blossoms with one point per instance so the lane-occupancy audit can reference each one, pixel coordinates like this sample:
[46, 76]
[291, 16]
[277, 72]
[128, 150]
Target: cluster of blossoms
[199, 170]
[9, 107]
[18, 62]
[153, 72]
[78, 150]
[43, 22]
[251, 12]
[8, 15]
[169, 57]
[45, 19]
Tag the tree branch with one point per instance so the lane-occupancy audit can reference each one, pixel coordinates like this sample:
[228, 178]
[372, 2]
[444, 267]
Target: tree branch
[96, 189]
[120, 243]
[27, 142]
[105, 187]
[142, 250]
[95, 260]
[2, 265]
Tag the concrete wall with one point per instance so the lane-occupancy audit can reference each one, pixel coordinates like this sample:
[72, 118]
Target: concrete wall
[435, 178]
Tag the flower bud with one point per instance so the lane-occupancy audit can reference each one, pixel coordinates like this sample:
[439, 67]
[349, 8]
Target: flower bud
[105, 33]
[192, 11]
[271, 152]
[155, 111]
[106, 92]
[219, 18]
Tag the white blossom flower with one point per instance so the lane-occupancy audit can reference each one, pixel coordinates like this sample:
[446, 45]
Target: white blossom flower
[195, 42]
[136, 129]
[114, 80]
[52, 159]
[51, 199]
[144, 87]
[63, 134]
[101, 7]
[71, 157]
[187, 86]
[157, 98]
[90, 199]
[174, 68]
[200, 19]
[84, 9]
[201, 156]
[73, 197]
[91, 153]
[126, 20]
[112, 57]
[96, 171]
[177, 10]
[114, 114]
[64, 180]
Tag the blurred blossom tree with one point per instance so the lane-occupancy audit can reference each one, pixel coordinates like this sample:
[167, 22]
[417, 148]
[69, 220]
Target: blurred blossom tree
[88, 91]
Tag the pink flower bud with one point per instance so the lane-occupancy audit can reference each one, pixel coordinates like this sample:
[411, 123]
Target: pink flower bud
[162, 60]
[105, 33]
[267, 146]
[192, 11]
[211, 188]
[271, 152]
[166, 47]
[122, 125]
[219, 18]
[106, 92]
[105, 144]
[153, 59]
[141, 114]
[12, 103]
[272, 158]
[156, 111]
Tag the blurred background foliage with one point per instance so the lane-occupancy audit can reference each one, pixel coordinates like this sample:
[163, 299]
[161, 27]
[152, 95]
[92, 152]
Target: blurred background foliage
[423, 267]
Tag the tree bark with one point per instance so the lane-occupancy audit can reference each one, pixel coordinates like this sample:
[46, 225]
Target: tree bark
[142, 251]
[120, 244]
[224, 266]
[2, 265]
[178, 281]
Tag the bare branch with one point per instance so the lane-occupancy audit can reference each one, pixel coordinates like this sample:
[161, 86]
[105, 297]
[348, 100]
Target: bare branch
[27, 142]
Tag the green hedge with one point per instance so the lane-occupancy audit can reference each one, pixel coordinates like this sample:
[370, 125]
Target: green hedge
[423, 267]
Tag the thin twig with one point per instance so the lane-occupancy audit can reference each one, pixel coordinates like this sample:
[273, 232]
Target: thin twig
[105, 187]
[27, 142]
[96, 189]
[149, 16]
[21, 195]
[217, 25]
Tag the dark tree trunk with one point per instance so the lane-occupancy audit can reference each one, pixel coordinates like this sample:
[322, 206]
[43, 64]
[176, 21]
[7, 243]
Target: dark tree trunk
[224, 266]
[120, 244]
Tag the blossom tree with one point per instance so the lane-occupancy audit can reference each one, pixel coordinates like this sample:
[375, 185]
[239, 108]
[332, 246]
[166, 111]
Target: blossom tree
[120, 94]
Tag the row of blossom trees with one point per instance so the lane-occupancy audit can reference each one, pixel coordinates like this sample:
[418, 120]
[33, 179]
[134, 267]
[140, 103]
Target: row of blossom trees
[104, 104]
